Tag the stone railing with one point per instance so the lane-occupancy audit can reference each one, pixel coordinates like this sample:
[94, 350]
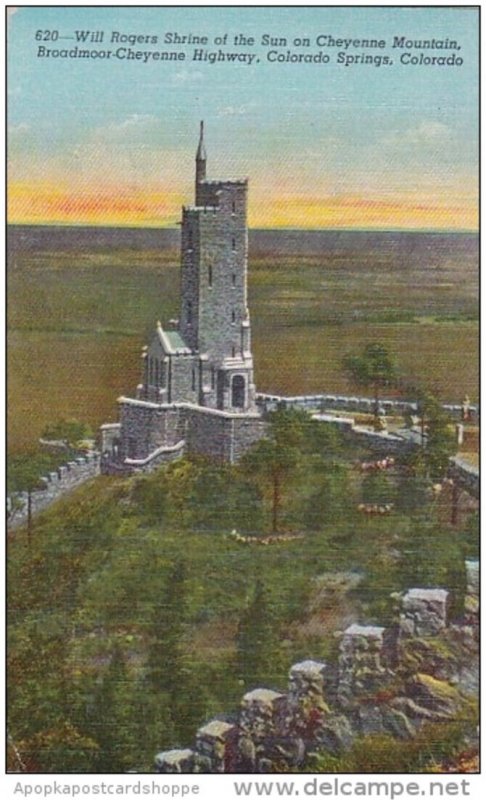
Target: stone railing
[321, 402]
[372, 689]
[465, 475]
[55, 484]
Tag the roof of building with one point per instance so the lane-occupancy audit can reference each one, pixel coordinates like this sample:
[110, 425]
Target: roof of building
[172, 342]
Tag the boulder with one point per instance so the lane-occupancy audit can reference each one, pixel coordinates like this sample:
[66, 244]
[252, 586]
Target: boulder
[423, 612]
[397, 723]
[433, 694]
[175, 761]
[336, 734]
[369, 720]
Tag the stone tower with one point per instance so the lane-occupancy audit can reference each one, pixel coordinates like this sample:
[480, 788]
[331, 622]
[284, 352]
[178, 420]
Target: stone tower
[197, 392]
[214, 318]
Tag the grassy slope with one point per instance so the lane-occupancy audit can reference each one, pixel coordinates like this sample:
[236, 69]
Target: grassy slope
[99, 564]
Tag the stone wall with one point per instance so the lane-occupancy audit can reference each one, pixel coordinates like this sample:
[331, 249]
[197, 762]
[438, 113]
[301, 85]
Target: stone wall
[220, 435]
[269, 402]
[465, 474]
[56, 484]
[151, 434]
[387, 681]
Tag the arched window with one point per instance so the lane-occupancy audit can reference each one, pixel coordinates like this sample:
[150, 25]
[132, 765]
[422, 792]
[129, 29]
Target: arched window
[238, 392]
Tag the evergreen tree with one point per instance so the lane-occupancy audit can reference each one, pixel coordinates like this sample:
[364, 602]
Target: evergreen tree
[276, 459]
[330, 497]
[166, 656]
[374, 368]
[173, 686]
[257, 643]
[438, 440]
[111, 724]
[377, 489]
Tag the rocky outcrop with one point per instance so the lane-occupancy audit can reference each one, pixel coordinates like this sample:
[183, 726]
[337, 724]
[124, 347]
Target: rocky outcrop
[387, 681]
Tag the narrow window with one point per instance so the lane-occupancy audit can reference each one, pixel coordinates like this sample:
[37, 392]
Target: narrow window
[210, 275]
[156, 372]
[189, 313]
[233, 317]
[233, 351]
[189, 238]
[193, 379]
[233, 243]
[213, 378]
[238, 389]
[233, 207]
[233, 279]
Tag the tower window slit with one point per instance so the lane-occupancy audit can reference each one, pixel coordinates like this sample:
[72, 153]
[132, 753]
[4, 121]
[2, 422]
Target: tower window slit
[233, 317]
[210, 275]
[233, 279]
[233, 244]
[193, 379]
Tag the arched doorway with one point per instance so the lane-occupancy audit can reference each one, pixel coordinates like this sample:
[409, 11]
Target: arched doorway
[238, 392]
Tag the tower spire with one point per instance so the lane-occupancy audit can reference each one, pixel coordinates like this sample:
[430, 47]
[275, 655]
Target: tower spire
[201, 150]
[200, 159]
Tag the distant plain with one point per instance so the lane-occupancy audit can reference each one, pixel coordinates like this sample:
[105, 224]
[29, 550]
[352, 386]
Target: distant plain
[83, 301]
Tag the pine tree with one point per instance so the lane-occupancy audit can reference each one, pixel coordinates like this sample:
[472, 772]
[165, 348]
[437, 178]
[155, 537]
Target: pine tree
[166, 657]
[257, 641]
[112, 726]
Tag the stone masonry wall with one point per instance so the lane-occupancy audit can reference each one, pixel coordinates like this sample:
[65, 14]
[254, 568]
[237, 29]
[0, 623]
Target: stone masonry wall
[387, 681]
[56, 484]
[221, 436]
[270, 402]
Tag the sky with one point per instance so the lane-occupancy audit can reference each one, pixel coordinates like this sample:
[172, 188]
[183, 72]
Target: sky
[112, 141]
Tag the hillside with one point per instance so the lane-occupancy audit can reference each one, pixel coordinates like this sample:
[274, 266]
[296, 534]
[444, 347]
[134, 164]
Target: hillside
[127, 613]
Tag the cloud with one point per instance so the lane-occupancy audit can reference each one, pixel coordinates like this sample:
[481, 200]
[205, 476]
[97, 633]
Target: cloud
[127, 129]
[135, 122]
[185, 76]
[232, 111]
[20, 128]
[427, 132]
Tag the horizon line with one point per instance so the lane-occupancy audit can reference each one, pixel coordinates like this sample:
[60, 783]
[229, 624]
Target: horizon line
[357, 229]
